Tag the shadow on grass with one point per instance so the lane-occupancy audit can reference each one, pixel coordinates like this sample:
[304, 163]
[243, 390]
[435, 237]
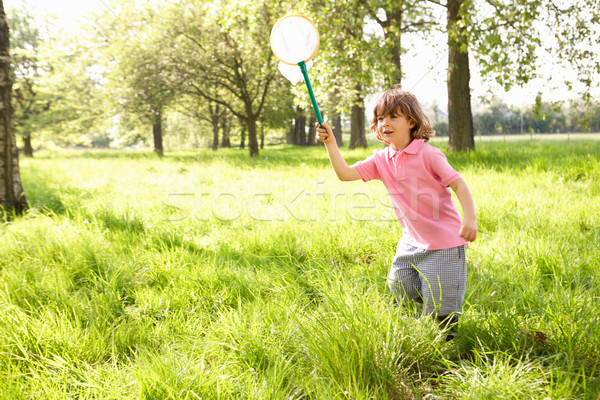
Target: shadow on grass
[270, 157]
[41, 196]
[128, 223]
[575, 160]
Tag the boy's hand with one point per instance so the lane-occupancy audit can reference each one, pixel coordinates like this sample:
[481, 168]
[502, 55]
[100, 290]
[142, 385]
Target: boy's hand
[324, 133]
[468, 230]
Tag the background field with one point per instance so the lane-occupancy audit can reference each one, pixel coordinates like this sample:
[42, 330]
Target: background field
[212, 275]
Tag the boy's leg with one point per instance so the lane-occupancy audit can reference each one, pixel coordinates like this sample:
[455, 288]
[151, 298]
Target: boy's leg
[403, 279]
[443, 283]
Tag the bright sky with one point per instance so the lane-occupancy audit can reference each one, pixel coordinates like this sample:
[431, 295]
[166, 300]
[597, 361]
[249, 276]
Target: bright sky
[424, 65]
[68, 11]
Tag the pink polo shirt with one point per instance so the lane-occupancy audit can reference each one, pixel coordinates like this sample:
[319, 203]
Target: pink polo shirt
[417, 180]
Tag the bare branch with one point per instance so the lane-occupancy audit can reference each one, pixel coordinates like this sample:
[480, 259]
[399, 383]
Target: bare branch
[438, 3]
[217, 100]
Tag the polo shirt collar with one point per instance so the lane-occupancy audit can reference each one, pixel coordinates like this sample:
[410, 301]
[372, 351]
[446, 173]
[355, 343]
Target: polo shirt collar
[412, 148]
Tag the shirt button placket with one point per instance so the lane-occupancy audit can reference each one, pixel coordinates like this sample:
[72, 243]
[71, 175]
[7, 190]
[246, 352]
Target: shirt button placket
[401, 162]
[398, 164]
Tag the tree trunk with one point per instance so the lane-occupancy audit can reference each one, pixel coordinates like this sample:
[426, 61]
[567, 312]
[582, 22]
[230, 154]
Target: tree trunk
[252, 138]
[396, 78]
[357, 122]
[243, 134]
[11, 190]
[312, 131]
[300, 127]
[225, 141]
[393, 36]
[157, 134]
[337, 127]
[290, 137]
[262, 134]
[27, 148]
[460, 118]
[215, 128]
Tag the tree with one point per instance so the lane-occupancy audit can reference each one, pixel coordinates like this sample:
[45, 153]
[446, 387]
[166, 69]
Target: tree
[223, 57]
[29, 99]
[508, 38]
[71, 88]
[336, 125]
[280, 105]
[58, 82]
[397, 17]
[343, 65]
[11, 190]
[528, 34]
[355, 62]
[140, 78]
[206, 111]
[216, 114]
[460, 118]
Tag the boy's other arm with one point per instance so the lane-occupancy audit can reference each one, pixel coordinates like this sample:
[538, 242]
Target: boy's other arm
[342, 170]
[468, 228]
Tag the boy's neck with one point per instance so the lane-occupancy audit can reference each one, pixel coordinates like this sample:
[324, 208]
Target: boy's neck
[401, 146]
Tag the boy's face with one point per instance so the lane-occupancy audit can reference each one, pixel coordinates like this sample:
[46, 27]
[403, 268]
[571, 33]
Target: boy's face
[394, 129]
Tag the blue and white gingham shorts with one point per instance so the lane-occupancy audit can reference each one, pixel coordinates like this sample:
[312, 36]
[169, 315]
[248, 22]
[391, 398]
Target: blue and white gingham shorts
[438, 277]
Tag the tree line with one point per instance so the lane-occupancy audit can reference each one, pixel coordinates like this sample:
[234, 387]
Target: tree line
[542, 117]
[498, 118]
[166, 65]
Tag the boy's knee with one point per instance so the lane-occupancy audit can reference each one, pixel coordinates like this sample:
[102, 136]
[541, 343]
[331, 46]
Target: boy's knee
[393, 286]
[396, 288]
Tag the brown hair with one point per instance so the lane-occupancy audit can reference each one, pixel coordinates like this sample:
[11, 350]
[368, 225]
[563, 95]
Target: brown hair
[396, 101]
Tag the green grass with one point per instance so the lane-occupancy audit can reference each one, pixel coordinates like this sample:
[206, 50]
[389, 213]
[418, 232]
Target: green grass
[210, 275]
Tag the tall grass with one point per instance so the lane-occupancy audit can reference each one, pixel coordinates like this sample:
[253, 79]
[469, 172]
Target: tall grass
[214, 276]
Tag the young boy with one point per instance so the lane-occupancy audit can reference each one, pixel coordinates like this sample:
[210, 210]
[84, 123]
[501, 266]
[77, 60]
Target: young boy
[430, 263]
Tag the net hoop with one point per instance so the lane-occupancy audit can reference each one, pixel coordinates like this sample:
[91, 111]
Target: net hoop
[275, 28]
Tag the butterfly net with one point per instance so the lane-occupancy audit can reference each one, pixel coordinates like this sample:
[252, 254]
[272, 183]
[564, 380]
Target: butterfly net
[294, 38]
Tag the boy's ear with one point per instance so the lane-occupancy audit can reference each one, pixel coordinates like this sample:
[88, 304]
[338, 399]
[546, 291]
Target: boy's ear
[412, 123]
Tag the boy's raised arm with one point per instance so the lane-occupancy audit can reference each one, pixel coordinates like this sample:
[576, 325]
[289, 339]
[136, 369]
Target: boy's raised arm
[341, 168]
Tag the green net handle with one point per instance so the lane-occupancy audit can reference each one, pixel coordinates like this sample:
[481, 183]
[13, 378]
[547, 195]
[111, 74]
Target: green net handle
[313, 100]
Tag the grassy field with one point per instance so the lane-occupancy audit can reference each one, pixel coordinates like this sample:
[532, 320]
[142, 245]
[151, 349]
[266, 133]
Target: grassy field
[209, 275]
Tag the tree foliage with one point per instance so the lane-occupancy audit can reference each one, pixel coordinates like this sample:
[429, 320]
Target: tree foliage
[58, 82]
[137, 63]
[143, 63]
[223, 58]
[512, 39]
[30, 99]
[344, 68]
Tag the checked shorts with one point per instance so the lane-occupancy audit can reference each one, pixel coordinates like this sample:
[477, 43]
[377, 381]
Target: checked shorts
[437, 277]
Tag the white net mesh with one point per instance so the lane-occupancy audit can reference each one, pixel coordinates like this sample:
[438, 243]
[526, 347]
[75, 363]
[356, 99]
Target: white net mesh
[294, 38]
[293, 72]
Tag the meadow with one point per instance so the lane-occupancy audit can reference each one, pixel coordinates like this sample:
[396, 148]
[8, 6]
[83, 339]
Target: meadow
[210, 275]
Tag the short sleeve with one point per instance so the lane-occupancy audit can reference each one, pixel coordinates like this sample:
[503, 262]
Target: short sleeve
[439, 166]
[368, 168]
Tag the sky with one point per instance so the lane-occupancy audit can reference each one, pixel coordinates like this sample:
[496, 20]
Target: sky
[424, 64]
[67, 10]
